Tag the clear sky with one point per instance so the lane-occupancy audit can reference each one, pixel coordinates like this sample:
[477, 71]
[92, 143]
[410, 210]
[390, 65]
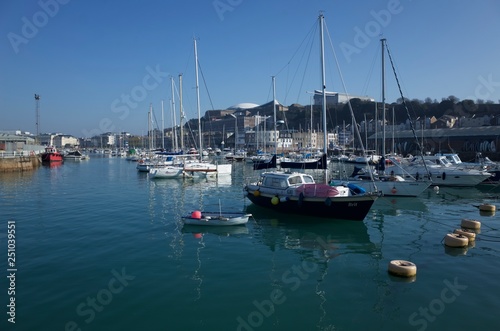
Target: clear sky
[98, 65]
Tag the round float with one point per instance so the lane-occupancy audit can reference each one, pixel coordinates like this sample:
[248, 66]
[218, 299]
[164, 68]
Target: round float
[456, 240]
[275, 200]
[196, 214]
[402, 268]
[256, 193]
[487, 207]
[470, 224]
[467, 233]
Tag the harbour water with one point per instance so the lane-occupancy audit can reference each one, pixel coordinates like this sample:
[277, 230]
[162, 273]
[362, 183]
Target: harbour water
[99, 246]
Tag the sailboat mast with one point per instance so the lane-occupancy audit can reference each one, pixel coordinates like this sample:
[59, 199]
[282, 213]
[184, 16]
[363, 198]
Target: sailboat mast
[274, 113]
[323, 91]
[383, 97]
[181, 113]
[150, 133]
[172, 109]
[323, 83]
[393, 119]
[198, 98]
[162, 128]
[311, 128]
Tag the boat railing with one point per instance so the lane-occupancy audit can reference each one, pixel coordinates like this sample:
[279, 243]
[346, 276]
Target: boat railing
[14, 154]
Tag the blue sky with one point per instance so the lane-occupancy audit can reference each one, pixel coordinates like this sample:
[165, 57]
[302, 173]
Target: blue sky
[98, 65]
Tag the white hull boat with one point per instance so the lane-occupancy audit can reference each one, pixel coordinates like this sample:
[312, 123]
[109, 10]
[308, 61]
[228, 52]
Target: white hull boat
[216, 218]
[440, 171]
[167, 172]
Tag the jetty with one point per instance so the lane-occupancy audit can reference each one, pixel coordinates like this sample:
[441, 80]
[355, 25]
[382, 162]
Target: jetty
[19, 161]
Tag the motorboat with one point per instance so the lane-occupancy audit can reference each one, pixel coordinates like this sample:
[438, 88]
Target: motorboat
[438, 169]
[388, 184]
[298, 193]
[51, 155]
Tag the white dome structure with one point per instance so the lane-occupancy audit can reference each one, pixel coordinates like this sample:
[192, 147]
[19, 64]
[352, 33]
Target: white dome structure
[243, 106]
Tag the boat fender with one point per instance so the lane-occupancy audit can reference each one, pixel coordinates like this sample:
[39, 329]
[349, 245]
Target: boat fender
[402, 268]
[301, 199]
[275, 200]
[470, 224]
[356, 189]
[284, 199]
[256, 193]
[456, 240]
[487, 207]
[394, 191]
[467, 233]
[444, 176]
[196, 214]
[328, 201]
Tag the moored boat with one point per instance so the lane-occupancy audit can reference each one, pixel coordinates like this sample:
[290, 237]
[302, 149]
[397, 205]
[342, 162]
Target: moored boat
[216, 218]
[51, 155]
[74, 156]
[297, 193]
[439, 170]
[170, 171]
[388, 184]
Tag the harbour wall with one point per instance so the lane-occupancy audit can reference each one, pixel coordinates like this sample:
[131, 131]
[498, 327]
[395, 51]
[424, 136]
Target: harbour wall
[19, 163]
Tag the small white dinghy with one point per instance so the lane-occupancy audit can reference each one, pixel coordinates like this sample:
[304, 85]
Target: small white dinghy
[216, 218]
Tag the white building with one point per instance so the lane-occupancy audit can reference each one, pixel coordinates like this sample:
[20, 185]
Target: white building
[335, 98]
[64, 140]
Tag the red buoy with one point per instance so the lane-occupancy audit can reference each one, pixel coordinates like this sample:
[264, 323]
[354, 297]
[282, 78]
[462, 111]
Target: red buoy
[196, 214]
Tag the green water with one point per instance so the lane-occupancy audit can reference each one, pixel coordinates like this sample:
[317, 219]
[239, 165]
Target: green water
[99, 246]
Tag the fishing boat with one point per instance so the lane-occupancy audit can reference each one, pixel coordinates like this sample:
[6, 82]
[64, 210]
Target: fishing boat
[216, 218]
[51, 155]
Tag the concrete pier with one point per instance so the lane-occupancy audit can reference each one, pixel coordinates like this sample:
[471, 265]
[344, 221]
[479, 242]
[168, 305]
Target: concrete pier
[19, 163]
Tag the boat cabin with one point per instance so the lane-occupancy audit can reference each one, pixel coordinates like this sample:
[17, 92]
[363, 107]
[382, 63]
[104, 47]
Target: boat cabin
[285, 180]
[50, 149]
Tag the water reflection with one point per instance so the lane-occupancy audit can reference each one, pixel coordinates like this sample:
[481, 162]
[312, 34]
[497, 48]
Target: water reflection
[396, 206]
[325, 249]
[312, 237]
[199, 230]
[454, 194]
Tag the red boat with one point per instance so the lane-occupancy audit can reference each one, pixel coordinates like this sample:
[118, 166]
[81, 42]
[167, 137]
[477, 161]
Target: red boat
[51, 155]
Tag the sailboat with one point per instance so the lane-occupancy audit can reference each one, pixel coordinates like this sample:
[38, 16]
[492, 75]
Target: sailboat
[392, 184]
[176, 169]
[199, 167]
[298, 193]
